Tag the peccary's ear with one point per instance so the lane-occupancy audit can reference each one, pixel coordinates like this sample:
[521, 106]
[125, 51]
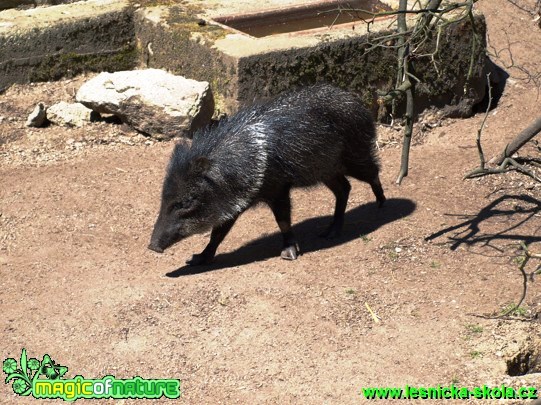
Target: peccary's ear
[199, 165]
[181, 148]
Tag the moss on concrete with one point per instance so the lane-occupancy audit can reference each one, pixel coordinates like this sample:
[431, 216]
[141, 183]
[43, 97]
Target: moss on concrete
[182, 44]
[347, 64]
[71, 64]
[97, 41]
[343, 63]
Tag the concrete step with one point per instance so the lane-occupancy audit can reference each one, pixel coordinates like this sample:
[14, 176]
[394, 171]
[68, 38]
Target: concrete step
[47, 43]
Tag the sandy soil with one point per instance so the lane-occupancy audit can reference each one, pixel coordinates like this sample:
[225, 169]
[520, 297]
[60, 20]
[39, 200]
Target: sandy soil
[77, 282]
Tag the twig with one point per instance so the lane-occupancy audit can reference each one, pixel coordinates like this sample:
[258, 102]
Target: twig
[404, 80]
[503, 168]
[524, 259]
[520, 140]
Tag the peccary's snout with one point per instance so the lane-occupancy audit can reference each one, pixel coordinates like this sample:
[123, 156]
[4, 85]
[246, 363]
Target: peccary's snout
[157, 239]
[158, 234]
[155, 244]
[166, 233]
[155, 248]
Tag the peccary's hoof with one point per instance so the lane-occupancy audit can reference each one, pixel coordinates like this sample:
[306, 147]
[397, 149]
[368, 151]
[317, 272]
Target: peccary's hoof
[199, 260]
[289, 253]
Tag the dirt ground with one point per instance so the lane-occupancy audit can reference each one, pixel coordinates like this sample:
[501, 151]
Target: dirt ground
[78, 283]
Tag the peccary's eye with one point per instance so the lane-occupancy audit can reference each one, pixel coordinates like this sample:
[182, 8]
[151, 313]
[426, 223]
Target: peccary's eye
[179, 206]
[183, 207]
[209, 180]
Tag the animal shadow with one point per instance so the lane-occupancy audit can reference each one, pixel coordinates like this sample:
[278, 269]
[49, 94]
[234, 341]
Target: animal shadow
[361, 220]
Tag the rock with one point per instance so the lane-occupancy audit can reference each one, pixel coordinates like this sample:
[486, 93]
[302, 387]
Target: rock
[37, 117]
[70, 114]
[152, 101]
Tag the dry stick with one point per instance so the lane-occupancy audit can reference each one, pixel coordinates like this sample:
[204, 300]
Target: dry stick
[480, 130]
[502, 169]
[475, 40]
[404, 79]
[506, 161]
[524, 261]
[432, 7]
[527, 256]
[408, 130]
[520, 140]
[420, 27]
[404, 83]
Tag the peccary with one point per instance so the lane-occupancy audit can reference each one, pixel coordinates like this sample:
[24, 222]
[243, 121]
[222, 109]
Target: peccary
[320, 134]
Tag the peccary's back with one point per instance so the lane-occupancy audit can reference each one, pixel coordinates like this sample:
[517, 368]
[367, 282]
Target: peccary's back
[300, 138]
[313, 133]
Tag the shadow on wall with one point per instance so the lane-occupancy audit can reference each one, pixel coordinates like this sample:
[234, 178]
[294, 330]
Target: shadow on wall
[497, 80]
[361, 220]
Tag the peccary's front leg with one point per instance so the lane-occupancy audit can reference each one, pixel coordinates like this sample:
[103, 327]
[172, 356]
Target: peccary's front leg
[216, 237]
[281, 208]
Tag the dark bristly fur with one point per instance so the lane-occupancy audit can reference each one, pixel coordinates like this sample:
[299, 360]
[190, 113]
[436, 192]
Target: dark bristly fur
[319, 134]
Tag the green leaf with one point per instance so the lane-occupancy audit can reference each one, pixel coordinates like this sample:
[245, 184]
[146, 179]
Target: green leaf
[45, 363]
[24, 363]
[17, 374]
[50, 372]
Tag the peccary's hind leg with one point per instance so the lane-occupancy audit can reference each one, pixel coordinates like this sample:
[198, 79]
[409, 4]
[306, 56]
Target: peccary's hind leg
[216, 237]
[369, 174]
[378, 191]
[340, 187]
[281, 208]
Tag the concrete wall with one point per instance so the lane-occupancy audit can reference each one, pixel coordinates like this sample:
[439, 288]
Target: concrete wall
[5, 4]
[243, 69]
[48, 43]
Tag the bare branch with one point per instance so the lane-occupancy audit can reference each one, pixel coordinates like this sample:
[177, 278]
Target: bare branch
[520, 140]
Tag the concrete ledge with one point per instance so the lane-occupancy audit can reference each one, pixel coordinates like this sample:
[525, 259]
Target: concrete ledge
[47, 43]
[5, 4]
[242, 68]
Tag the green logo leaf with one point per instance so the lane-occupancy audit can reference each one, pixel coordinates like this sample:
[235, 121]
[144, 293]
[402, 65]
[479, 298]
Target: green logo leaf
[51, 370]
[30, 370]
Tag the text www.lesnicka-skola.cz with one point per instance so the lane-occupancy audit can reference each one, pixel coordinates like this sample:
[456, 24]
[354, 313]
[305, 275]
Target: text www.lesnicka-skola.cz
[449, 392]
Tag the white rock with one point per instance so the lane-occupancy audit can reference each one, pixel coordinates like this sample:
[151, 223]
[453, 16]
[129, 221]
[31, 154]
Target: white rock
[152, 101]
[37, 117]
[70, 114]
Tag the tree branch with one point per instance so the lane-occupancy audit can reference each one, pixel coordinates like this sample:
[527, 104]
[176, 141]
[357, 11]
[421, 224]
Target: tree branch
[520, 140]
